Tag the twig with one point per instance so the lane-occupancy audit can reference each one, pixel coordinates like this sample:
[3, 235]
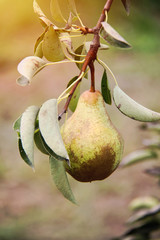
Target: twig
[91, 55]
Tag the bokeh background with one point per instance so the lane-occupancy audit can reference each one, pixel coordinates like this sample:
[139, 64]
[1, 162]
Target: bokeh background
[31, 208]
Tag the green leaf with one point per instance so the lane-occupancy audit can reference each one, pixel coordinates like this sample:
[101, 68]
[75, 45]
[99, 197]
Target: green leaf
[50, 130]
[75, 97]
[133, 109]
[23, 154]
[27, 128]
[39, 142]
[112, 37]
[27, 68]
[80, 51]
[52, 49]
[60, 179]
[152, 143]
[143, 202]
[153, 212]
[138, 156]
[105, 89]
[16, 124]
[56, 11]
[126, 4]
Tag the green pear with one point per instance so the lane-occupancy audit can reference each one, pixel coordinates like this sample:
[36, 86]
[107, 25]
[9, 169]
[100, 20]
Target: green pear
[93, 144]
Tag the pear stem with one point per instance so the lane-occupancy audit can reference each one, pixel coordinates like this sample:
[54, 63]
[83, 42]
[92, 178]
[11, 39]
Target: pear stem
[91, 55]
[91, 66]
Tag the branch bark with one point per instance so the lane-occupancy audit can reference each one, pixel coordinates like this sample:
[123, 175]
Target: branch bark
[91, 55]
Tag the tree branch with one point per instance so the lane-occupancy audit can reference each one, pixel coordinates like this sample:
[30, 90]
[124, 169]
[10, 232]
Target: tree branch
[91, 55]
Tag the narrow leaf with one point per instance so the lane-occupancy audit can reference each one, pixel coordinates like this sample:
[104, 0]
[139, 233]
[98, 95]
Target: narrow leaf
[112, 36]
[72, 6]
[105, 89]
[16, 124]
[39, 40]
[154, 171]
[56, 11]
[138, 156]
[42, 16]
[27, 68]
[152, 143]
[75, 97]
[60, 179]
[27, 128]
[133, 109]
[39, 142]
[126, 4]
[49, 128]
[80, 51]
[23, 154]
[143, 202]
[52, 49]
[39, 51]
[145, 214]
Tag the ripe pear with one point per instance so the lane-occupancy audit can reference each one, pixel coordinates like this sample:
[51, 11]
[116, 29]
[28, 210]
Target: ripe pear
[93, 144]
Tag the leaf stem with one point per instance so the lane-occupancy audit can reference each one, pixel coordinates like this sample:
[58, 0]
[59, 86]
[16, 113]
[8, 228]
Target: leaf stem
[105, 66]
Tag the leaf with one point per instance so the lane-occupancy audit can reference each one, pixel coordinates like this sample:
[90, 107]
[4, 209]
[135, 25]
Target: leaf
[143, 202]
[27, 68]
[80, 51]
[16, 124]
[72, 6]
[133, 109]
[56, 11]
[66, 42]
[126, 4]
[154, 126]
[39, 142]
[75, 97]
[52, 49]
[45, 21]
[49, 128]
[105, 89]
[39, 51]
[138, 156]
[23, 154]
[152, 143]
[112, 36]
[60, 179]
[27, 128]
[145, 214]
[154, 171]
[39, 40]
[102, 46]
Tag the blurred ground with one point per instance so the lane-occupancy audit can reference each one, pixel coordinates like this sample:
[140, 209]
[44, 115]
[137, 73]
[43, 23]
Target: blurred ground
[31, 208]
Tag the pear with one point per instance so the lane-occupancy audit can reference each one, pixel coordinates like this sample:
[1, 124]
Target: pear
[93, 144]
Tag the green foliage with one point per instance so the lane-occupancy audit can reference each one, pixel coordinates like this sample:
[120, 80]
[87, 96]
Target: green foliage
[105, 89]
[60, 179]
[58, 45]
[133, 109]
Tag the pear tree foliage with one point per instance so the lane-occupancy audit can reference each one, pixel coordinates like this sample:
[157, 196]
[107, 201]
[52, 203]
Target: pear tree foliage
[56, 45]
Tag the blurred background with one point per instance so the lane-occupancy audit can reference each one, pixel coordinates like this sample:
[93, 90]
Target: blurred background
[31, 208]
